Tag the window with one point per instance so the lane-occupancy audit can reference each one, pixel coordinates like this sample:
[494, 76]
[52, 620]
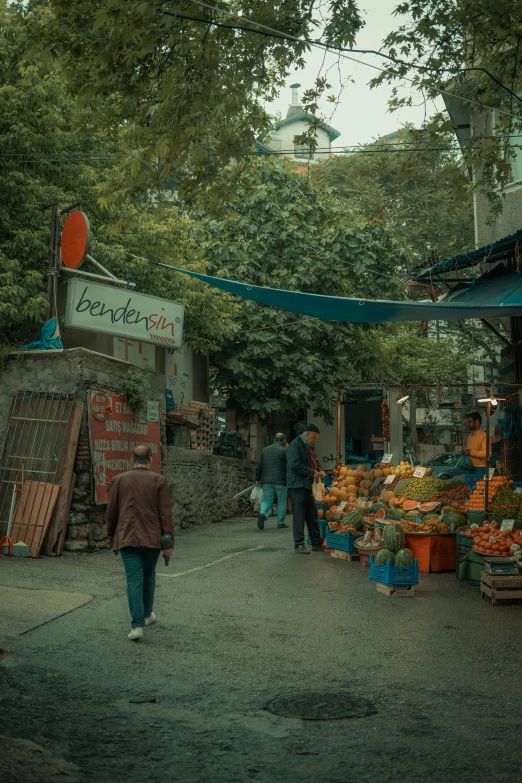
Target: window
[456, 438]
[303, 151]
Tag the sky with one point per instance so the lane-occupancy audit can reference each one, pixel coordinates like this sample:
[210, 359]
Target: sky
[362, 114]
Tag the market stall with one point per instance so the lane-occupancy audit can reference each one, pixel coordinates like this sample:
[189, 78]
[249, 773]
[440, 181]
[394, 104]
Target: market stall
[397, 521]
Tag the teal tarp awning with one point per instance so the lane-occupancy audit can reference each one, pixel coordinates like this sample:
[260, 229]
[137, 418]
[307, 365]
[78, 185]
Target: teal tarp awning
[490, 299]
[496, 251]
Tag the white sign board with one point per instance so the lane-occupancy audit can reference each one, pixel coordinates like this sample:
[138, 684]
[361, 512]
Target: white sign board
[342, 505]
[491, 472]
[389, 479]
[386, 458]
[135, 352]
[118, 311]
[507, 524]
[419, 472]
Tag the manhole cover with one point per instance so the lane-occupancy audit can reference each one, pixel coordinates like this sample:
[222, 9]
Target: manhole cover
[320, 706]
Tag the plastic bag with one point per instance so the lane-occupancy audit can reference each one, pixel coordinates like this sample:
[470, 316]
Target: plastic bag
[318, 491]
[256, 496]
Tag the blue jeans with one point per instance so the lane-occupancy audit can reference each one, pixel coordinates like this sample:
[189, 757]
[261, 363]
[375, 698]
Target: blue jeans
[269, 493]
[140, 570]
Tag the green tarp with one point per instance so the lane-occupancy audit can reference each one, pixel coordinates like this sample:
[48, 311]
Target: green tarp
[494, 298]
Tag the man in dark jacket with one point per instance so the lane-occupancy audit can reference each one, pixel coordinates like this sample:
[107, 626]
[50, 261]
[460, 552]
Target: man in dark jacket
[271, 475]
[301, 473]
[139, 513]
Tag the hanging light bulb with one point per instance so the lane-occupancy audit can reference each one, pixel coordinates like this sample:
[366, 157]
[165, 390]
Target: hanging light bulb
[403, 399]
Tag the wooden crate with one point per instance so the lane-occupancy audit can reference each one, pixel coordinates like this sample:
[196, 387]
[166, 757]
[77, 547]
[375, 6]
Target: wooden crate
[500, 587]
[338, 554]
[395, 590]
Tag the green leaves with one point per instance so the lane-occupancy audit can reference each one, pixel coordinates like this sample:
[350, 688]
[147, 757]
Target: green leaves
[279, 232]
[472, 52]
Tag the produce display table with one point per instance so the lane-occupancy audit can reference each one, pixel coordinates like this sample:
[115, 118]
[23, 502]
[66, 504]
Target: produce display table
[435, 552]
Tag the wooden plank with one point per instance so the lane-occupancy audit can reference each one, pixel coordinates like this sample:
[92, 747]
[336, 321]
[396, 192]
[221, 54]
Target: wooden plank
[338, 554]
[64, 479]
[33, 513]
[500, 595]
[63, 531]
[498, 581]
[395, 590]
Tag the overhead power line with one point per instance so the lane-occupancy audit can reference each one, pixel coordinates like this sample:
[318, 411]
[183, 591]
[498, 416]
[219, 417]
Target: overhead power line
[341, 50]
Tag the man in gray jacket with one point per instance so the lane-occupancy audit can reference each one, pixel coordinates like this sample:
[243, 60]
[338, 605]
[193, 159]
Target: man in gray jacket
[302, 471]
[271, 475]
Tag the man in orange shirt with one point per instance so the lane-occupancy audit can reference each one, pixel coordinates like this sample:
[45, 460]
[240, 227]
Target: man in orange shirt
[476, 444]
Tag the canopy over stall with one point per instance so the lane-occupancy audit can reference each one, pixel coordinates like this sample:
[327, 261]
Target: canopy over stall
[500, 250]
[488, 299]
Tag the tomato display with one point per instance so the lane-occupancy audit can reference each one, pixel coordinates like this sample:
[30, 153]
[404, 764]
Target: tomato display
[490, 540]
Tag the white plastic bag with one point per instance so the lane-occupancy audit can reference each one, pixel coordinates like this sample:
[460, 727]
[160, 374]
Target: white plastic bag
[256, 496]
[318, 491]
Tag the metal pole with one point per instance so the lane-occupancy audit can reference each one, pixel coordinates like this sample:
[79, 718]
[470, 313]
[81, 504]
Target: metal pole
[81, 273]
[338, 425]
[488, 419]
[51, 265]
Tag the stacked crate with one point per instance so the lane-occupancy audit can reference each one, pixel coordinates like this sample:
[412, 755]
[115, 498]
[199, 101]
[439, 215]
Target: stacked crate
[206, 437]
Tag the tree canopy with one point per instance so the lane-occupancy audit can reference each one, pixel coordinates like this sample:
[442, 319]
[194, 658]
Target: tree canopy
[186, 82]
[420, 192]
[279, 232]
[50, 156]
[471, 52]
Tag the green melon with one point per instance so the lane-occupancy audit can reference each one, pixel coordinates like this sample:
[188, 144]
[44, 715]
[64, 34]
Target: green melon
[395, 513]
[414, 515]
[378, 505]
[354, 519]
[382, 556]
[454, 518]
[394, 538]
[404, 557]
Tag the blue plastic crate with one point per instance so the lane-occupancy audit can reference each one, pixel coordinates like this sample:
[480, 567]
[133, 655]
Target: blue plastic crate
[470, 479]
[338, 541]
[394, 575]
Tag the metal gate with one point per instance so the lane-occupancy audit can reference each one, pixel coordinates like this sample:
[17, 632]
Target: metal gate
[33, 445]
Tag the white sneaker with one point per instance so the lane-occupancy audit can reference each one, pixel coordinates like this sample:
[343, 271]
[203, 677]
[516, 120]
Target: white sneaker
[151, 619]
[135, 634]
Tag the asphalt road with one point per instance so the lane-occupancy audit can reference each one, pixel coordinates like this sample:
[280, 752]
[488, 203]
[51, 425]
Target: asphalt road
[242, 620]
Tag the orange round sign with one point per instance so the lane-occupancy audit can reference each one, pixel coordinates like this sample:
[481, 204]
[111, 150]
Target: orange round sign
[75, 239]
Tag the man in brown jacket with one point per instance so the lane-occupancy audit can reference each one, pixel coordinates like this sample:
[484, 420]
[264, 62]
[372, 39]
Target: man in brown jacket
[139, 513]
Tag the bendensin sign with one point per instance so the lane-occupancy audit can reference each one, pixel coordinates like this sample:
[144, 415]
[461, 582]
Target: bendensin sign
[124, 313]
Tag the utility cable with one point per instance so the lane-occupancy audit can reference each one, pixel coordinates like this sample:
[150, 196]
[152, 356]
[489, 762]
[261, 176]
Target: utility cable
[323, 46]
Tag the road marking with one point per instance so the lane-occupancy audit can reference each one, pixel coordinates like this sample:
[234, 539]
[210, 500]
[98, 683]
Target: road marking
[209, 565]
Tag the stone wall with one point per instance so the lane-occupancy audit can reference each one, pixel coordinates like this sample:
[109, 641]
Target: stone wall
[203, 486]
[78, 371]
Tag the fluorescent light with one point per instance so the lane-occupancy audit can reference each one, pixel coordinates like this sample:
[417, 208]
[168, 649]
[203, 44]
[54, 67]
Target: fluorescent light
[492, 400]
[403, 399]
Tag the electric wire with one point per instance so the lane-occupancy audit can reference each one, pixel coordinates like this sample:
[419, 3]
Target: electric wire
[329, 47]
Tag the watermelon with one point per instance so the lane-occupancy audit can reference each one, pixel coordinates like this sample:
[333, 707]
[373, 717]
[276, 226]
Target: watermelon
[431, 515]
[382, 556]
[409, 505]
[354, 519]
[414, 515]
[380, 505]
[404, 557]
[380, 514]
[424, 507]
[394, 538]
[395, 513]
[454, 518]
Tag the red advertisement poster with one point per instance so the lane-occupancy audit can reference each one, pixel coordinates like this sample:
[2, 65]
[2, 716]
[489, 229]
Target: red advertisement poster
[114, 431]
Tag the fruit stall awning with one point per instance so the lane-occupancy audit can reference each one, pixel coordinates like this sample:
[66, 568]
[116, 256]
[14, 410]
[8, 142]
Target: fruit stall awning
[497, 251]
[495, 298]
